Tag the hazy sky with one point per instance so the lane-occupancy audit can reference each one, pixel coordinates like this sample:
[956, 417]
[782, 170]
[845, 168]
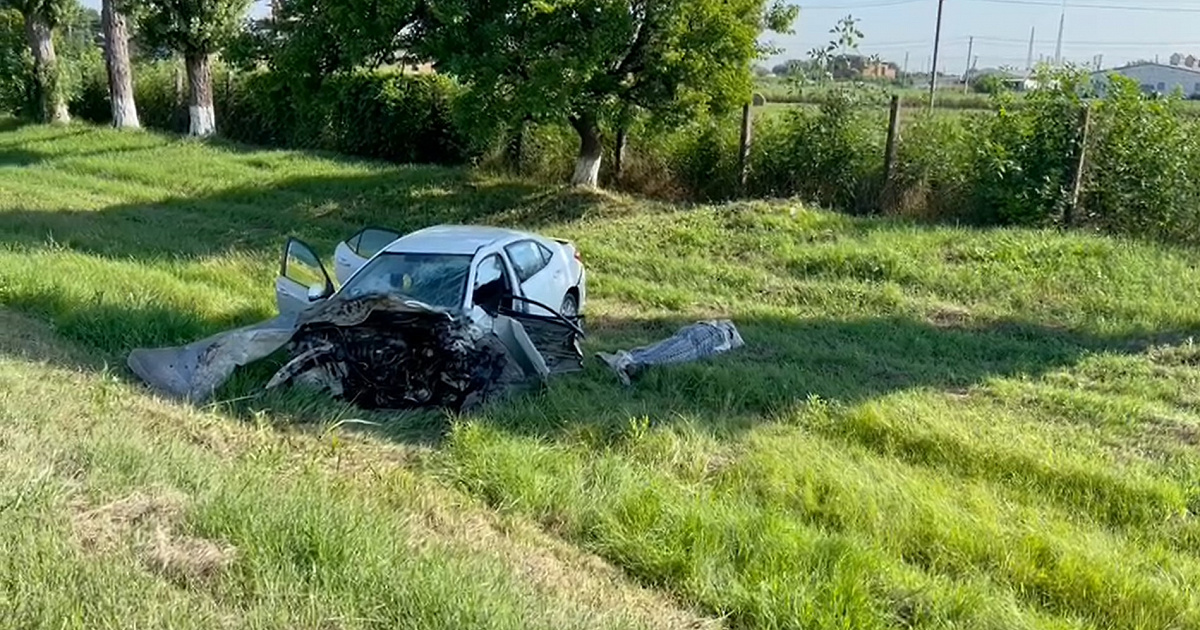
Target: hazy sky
[1001, 29]
[1141, 29]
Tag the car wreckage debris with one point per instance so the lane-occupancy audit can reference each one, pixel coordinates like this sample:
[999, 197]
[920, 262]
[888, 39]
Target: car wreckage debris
[377, 352]
[691, 343]
[386, 353]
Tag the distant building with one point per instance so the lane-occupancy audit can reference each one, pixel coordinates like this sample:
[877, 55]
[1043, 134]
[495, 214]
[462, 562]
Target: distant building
[879, 71]
[1154, 78]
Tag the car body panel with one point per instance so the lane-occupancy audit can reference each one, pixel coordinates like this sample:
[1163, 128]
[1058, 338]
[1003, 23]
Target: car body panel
[549, 285]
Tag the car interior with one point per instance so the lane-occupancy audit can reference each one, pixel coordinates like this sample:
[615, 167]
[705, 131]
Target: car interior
[493, 291]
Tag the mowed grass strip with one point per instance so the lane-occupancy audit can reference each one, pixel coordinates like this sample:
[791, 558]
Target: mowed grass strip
[929, 426]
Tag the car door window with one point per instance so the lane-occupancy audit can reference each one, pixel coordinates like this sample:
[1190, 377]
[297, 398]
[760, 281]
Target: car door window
[301, 265]
[527, 259]
[371, 241]
[492, 288]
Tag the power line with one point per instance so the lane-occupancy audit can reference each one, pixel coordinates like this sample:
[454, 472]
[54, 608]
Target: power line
[863, 5]
[1113, 7]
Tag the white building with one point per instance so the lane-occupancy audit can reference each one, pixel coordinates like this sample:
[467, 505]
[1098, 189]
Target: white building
[1154, 78]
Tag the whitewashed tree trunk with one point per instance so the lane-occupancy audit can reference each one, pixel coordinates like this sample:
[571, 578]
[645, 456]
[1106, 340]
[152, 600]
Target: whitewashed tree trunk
[120, 74]
[203, 121]
[591, 151]
[46, 73]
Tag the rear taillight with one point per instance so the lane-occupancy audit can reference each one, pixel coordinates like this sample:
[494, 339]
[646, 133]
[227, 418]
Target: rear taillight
[578, 256]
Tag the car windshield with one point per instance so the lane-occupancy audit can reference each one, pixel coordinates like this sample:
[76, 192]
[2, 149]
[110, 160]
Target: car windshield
[433, 279]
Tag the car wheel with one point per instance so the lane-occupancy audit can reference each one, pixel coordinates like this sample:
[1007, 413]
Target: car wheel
[570, 306]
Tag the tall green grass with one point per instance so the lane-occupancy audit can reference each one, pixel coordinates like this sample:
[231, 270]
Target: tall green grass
[929, 426]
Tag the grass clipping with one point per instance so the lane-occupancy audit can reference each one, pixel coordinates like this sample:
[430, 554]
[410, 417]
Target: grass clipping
[151, 524]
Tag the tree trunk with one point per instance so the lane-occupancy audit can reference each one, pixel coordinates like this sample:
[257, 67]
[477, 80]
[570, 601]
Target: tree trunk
[591, 150]
[46, 78]
[120, 76]
[200, 95]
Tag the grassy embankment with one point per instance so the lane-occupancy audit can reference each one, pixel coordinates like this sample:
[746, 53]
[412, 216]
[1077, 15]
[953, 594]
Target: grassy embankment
[929, 427]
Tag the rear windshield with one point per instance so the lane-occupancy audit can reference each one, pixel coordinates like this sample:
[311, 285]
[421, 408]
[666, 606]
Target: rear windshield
[433, 279]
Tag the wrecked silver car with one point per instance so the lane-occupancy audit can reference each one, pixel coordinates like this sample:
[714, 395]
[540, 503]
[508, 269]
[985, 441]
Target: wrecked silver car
[445, 317]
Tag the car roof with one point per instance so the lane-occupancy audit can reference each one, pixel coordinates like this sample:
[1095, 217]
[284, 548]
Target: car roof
[453, 239]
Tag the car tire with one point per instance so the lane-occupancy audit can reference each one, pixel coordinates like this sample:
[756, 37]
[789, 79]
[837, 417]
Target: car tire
[570, 307]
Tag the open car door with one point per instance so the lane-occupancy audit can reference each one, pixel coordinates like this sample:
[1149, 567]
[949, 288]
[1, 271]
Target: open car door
[302, 279]
[355, 251]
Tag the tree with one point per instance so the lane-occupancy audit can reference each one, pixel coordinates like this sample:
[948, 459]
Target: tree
[840, 57]
[590, 60]
[315, 38]
[41, 17]
[196, 29]
[116, 60]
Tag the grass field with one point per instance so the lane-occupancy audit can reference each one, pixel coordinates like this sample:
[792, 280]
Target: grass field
[928, 428]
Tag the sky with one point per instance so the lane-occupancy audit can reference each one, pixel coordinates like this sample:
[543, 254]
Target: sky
[1140, 29]
[892, 29]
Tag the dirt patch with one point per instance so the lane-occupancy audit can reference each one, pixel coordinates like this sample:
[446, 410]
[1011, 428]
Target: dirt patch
[583, 580]
[949, 316]
[150, 524]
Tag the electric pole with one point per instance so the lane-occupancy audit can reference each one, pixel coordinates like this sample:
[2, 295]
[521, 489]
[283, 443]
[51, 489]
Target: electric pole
[967, 71]
[1062, 20]
[937, 40]
[906, 68]
[1029, 59]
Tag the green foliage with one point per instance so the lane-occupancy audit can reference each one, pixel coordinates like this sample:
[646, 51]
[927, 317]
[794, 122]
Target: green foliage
[830, 156]
[188, 26]
[315, 38]
[669, 58]
[991, 84]
[383, 115]
[16, 65]
[1143, 172]
[1026, 157]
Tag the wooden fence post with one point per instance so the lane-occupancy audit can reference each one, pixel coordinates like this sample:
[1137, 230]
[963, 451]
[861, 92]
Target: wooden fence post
[889, 153]
[744, 147]
[893, 135]
[1073, 209]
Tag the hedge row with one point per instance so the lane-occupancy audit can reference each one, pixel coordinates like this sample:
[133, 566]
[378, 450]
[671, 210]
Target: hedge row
[386, 116]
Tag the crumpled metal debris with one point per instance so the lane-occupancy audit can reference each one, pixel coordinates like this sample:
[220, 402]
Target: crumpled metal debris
[385, 352]
[378, 352]
[193, 372]
[691, 343]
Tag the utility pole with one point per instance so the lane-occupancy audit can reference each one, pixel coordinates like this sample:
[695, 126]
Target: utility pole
[1100, 61]
[967, 71]
[1062, 20]
[1029, 59]
[937, 40]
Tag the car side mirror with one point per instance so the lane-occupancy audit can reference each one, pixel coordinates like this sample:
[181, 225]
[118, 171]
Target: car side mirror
[317, 292]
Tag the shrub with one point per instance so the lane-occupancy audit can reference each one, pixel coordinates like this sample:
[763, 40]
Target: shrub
[832, 156]
[16, 65]
[382, 115]
[934, 173]
[1025, 157]
[1143, 166]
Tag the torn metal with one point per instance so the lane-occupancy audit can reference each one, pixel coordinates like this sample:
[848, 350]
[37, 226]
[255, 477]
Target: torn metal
[193, 372]
[691, 343]
[378, 352]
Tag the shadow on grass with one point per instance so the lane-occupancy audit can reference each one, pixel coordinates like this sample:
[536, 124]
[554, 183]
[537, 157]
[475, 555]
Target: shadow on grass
[784, 364]
[787, 361]
[320, 210]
